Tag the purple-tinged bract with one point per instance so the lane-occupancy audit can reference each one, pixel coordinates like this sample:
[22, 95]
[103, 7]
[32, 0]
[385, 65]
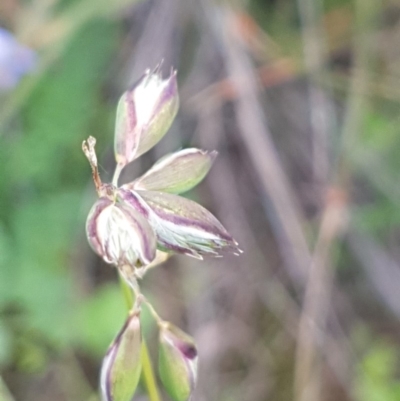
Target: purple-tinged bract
[121, 368]
[177, 362]
[144, 114]
[120, 234]
[176, 173]
[183, 226]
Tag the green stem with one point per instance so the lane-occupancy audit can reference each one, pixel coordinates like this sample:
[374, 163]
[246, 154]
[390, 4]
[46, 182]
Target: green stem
[148, 376]
[117, 173]
[126, 290]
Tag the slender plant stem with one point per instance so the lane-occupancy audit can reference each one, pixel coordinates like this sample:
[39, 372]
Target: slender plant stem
[148, 376]
[126, 290]
[117, 173]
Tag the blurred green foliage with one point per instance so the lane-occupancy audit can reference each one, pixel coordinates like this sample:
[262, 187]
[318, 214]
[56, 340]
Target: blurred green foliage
[378, 374]
[44, 176]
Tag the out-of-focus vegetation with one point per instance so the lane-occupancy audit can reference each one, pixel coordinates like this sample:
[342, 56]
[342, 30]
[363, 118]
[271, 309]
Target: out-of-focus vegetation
[302, 102]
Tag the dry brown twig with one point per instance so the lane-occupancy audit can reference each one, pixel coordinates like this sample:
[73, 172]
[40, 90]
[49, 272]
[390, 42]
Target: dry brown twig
[256, 139]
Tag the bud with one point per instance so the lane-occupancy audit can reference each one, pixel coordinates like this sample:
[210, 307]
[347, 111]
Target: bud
[121, 368]
[144, 114]
[177, 362]
[120, 234]
[176, 173]
[181, 225]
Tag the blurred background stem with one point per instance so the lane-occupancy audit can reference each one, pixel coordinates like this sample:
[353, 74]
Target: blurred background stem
[316, 309]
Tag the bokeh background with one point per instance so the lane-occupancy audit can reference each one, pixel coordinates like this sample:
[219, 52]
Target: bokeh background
[301, 100]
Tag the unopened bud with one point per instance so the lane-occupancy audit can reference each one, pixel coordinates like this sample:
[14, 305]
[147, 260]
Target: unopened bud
[144, 114]
[177, 362]
[176, 173]
[182, 225]
[120, 372]
[120, 234]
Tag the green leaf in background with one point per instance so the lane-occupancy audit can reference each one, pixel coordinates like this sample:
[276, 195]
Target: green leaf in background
[376, 218]
[44, 229]
[39, 279]
[41, 160]
[378, 133]
[99, 318]
[378, 147]
[5, 344]
[60, 110]
[37, 276]
[377, 379]
[5, 257]
[86, 9]
[30, 355]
